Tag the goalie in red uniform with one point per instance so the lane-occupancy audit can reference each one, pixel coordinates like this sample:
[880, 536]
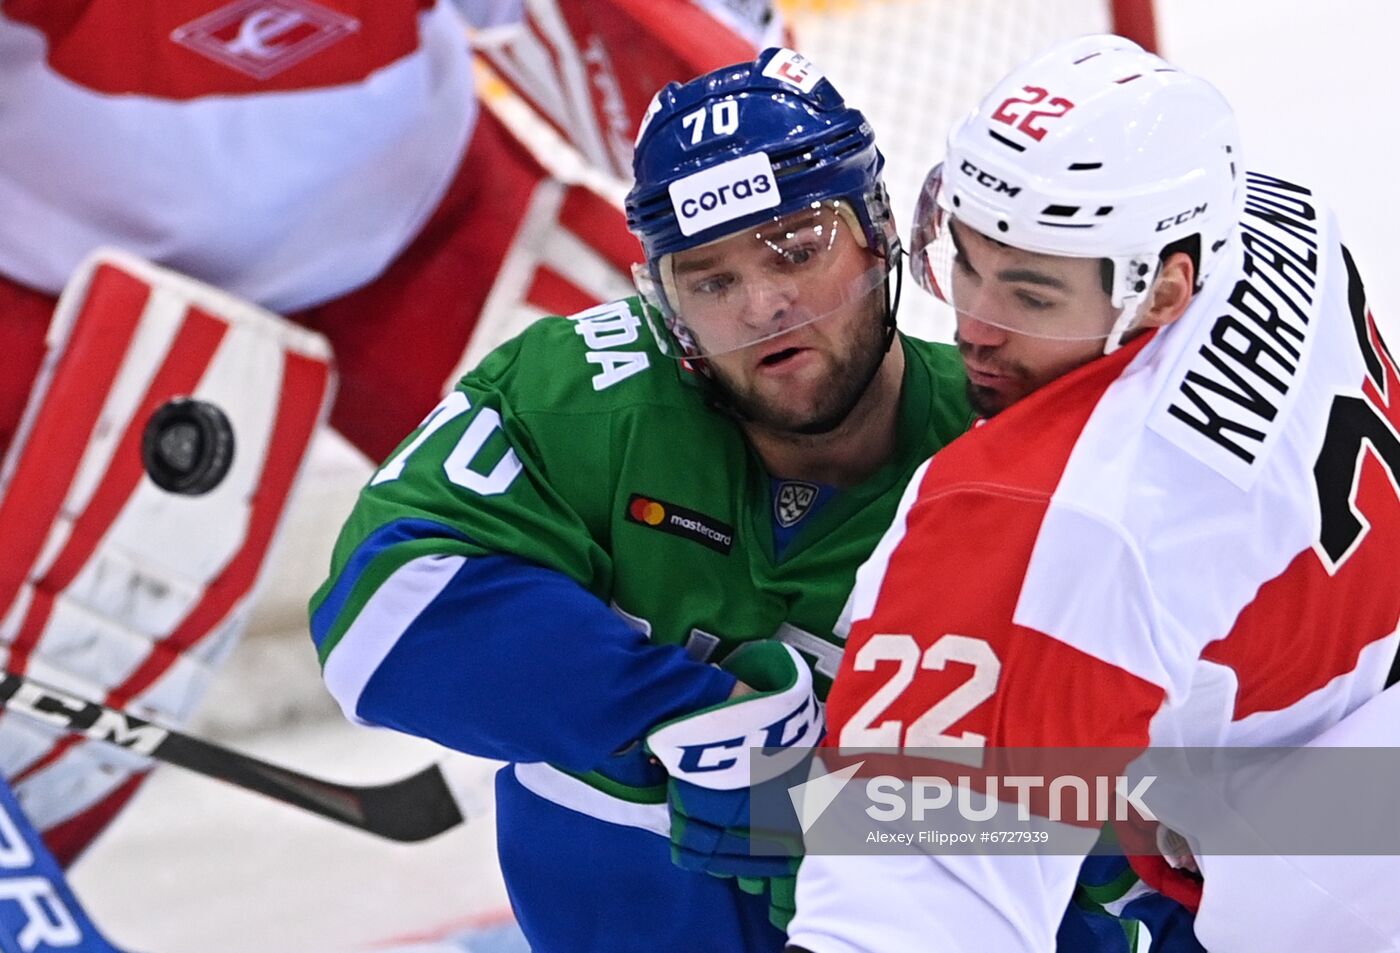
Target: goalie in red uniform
[328, 160]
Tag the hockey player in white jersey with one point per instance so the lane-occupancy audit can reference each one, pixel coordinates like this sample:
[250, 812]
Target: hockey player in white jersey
[1177, 525]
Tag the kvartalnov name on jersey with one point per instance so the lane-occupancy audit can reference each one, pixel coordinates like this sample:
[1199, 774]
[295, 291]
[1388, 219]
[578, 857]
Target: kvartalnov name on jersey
[1236, 384]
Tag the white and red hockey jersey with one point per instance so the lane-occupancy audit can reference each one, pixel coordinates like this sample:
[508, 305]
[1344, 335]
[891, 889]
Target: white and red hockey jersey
[232, 141]
[288, 150]
[1191, 542]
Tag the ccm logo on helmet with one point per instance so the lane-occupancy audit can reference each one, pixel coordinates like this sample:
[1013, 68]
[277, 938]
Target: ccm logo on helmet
[989, 181]
[1181, 218]
[725, 192]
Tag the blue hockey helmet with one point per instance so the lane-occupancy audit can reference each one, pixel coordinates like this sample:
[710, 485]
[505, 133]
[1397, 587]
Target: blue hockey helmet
[742, 146]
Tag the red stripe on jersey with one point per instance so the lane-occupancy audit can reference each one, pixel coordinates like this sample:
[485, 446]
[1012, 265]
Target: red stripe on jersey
[958, 572]
[1307, 626]
[1025, 447]
[552, 293]
[304, 385]
[101, 335]
[182, 49]
[600, 226]
[189, 356]
[951, 587]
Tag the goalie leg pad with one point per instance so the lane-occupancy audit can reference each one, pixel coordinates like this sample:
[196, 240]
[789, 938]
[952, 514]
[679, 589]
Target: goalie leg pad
[112, 587]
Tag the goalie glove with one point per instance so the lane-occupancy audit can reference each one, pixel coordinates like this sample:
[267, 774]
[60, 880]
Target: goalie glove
[712, 772]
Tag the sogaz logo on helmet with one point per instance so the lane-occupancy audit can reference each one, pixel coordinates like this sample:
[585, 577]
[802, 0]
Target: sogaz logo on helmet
[988, 181]
[724, 193]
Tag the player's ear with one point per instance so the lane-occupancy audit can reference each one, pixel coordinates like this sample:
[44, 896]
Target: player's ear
[1171, 292]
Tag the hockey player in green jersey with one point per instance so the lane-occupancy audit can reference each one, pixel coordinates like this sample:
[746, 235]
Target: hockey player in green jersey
[572, 561]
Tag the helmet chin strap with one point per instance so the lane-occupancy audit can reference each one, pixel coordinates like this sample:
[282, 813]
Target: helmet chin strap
[1124, 323]
[895, 264]
[1137, 289]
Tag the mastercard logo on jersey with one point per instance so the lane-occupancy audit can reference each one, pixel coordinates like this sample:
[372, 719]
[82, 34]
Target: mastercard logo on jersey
[679, 521]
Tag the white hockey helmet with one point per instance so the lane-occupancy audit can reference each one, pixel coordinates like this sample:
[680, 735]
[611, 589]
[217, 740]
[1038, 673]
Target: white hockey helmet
[1096, 149]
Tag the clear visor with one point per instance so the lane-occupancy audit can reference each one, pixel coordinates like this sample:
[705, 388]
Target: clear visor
[765, 281]
[1059, 297]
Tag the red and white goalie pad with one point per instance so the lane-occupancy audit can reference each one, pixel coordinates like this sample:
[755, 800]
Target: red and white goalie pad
[591, 67]
[111, 587]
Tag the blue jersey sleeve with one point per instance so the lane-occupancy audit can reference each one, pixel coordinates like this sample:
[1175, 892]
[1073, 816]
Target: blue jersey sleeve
[499, 657]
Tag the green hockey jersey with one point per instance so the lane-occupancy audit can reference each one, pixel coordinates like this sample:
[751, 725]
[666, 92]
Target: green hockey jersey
[580, 449]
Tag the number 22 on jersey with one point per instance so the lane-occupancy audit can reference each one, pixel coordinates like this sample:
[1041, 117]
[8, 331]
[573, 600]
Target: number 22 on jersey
[903, 658]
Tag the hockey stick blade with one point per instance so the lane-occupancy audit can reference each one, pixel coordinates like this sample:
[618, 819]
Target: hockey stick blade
[414, 808]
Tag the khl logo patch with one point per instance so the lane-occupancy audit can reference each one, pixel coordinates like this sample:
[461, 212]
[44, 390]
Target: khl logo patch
[264, 37]
[793, 501]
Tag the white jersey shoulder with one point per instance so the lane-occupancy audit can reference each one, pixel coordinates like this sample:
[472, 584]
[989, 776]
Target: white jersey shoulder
[287, 197]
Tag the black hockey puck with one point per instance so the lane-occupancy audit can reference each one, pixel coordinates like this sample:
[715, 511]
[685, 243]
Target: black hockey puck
[187, 447]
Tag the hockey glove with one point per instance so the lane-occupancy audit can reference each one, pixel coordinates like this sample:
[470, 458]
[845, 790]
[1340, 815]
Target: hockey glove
[712, 771]
[782, 899]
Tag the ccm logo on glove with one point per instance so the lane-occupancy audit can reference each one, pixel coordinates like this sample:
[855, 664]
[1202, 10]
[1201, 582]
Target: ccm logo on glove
[708, 747]
[794, 727]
